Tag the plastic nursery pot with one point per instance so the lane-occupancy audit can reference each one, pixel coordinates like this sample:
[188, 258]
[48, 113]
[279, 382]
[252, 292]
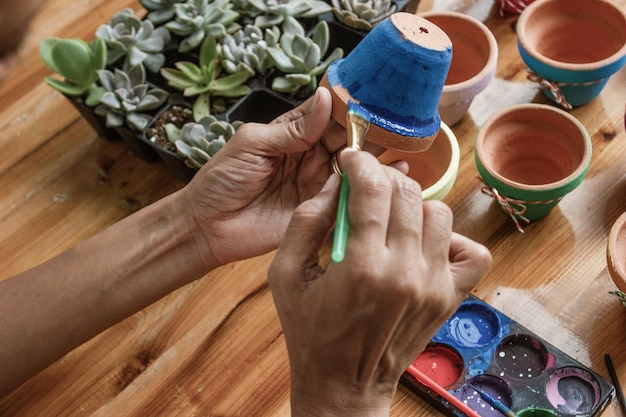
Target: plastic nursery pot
[616, 253]
[436, 168]
[572, 47]
[474, 62]
[529, 157]
[396, 74]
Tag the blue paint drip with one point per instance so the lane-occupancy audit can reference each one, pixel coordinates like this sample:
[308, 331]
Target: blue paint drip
[397, 81]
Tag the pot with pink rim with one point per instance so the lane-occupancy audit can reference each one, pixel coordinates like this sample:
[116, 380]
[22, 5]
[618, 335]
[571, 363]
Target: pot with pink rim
[616, 253]
[572, 47]
[529, 157]
[436, 168]
[474, 62]
[396, 73]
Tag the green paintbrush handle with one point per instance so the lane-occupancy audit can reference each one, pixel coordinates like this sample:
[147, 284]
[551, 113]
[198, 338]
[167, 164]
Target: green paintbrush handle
[342, 227]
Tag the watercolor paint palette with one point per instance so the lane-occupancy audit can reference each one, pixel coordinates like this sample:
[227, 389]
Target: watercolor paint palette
[481, 349]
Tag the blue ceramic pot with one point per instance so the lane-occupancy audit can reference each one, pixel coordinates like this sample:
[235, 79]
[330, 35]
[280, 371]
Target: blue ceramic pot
[572, 47]
[396, 73]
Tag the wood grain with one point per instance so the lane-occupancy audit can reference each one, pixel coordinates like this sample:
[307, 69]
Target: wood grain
[215, 347]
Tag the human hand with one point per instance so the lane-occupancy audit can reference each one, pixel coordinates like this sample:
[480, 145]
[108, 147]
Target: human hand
[352, 329]
[242, 199]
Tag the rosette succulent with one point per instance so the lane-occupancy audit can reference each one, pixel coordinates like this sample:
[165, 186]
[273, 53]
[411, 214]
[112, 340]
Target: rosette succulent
[78, 63]
[269, 13]
[128, 99]
[137, 41]
[160, 11]
[363, 14]
[246, 50]
[299, 57]
[198, 142]
[203, 81]
[198, 19]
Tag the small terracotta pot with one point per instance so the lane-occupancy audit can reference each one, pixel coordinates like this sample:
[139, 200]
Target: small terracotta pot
[436, 168]
[396, 73]
[529, 157]
[474, 62]
[616, 252]
[572, 47]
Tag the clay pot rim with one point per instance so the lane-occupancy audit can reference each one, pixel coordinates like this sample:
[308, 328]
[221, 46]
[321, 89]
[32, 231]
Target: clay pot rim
[616, 269]
[535, 7]
[440, 188]
[570, 180]
[479, 81]
[449, 176]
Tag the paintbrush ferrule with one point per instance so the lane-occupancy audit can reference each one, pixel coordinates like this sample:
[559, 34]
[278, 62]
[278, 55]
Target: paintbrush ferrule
[357, 124]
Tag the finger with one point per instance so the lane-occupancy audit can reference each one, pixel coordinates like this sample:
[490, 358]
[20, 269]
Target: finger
[437, 231]
[307, 232]
[405, 221]
[369, 202]
[469, 261]
[296, 131]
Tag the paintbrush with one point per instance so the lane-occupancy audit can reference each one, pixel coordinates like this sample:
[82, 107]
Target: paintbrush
[494, 402]
[357, 124]
[618, 387]
[441, 391]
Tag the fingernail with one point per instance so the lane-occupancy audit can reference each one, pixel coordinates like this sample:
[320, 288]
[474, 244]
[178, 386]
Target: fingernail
[315, 101]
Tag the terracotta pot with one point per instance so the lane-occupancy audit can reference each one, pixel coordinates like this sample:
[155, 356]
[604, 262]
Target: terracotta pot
[616, 252]
[474, 61]
[396, 73]
[436, 168]
[572, 47]
[530, 156]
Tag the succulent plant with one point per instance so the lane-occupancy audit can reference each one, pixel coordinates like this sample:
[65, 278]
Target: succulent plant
[269, 13]
[128, 99]
[203, 81]
[198, 142]
[198, 19]
[160, 11]
[363, 14]
[77, 62]
[299, 57]
[137, 41]
[246, 50]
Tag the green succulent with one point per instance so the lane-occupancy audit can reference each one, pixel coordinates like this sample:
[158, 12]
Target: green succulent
[363, 14]
[299, 58]
[137, 41]
[128, 99]
[203, 81]
[198, 19]
[160, 11]
[246, 50]
[198, 141]
[77, 62]
[269, 13]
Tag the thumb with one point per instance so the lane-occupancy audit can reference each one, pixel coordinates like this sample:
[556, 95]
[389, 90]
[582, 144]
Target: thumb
[299, 129]
[469, 261]
[308, 229]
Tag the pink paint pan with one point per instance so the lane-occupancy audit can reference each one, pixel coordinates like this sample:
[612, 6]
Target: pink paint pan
[481, 350]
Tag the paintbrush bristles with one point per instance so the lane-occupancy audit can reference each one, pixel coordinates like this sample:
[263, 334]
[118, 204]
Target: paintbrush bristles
[357, 124]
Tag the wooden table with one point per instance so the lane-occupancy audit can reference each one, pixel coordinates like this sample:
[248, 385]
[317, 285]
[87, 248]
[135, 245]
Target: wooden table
[215, 347]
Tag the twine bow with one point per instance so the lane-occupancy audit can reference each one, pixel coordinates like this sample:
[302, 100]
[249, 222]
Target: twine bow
[516, 6]
[550, 85]
[513, 207]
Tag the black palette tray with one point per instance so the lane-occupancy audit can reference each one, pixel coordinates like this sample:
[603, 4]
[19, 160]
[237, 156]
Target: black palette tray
[481, 346]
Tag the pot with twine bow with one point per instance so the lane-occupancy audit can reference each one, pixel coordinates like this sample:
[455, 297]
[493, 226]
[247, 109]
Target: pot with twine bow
[572, 47]
[529, 157]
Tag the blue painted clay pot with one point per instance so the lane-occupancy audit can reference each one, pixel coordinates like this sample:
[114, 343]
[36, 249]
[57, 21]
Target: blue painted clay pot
[396, 73]
[572, 47]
